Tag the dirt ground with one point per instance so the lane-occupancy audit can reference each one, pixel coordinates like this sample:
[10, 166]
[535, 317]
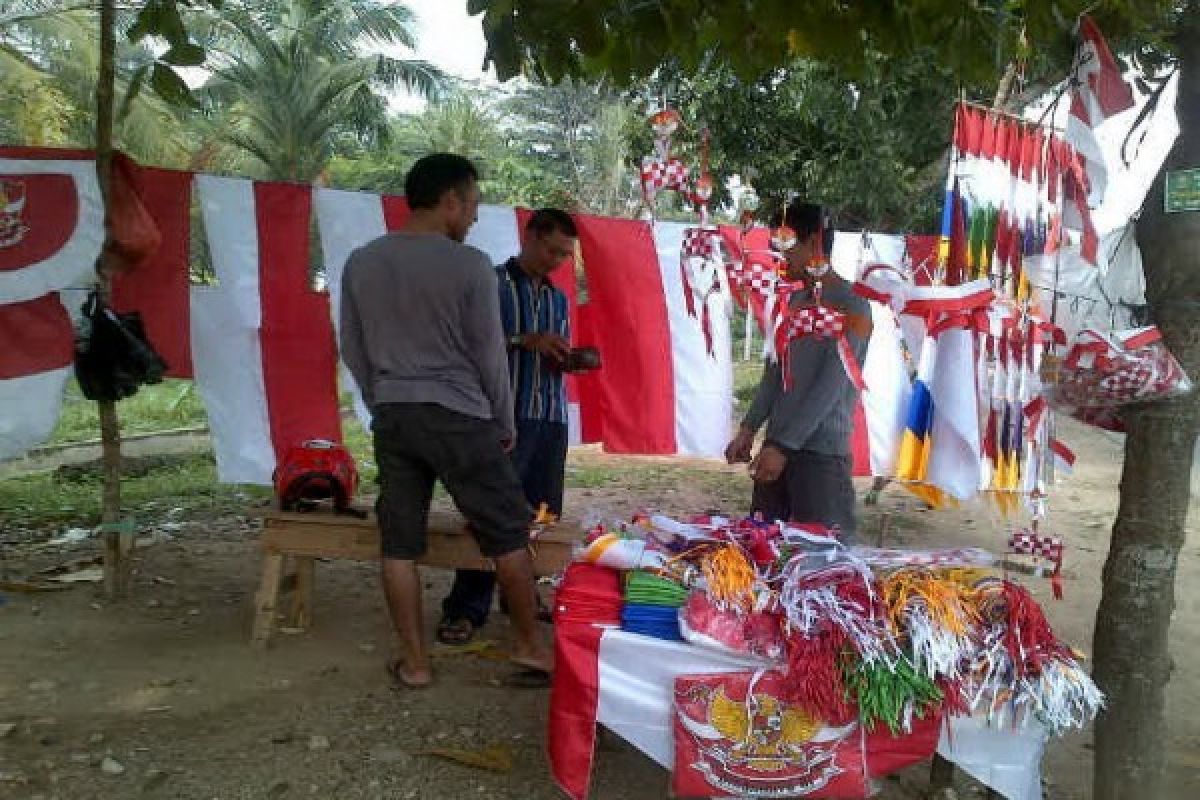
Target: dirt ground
[160, 696]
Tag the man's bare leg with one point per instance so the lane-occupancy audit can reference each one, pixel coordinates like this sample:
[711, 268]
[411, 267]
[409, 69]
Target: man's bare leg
[514, 573]
[402, 588]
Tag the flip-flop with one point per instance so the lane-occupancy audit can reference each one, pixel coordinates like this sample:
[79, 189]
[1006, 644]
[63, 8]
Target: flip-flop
[401, 682]
[455, 632]
[528, 679]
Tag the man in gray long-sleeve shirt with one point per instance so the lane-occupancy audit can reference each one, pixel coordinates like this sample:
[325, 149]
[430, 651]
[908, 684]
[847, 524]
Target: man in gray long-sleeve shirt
[803, 471]
[421, 333]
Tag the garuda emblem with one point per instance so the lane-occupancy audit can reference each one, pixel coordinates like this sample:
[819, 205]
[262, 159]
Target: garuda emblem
[757, 746]
[12, 204]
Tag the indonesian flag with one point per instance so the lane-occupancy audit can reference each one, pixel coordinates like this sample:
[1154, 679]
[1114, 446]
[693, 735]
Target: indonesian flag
[1064, 458]
[259, 341]
[628, 683]
[1098, 91]
[636, 315]
[261, 338]
[52, 230]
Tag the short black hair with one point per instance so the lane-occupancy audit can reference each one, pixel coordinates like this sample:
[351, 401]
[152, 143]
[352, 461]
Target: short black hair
[548, 220]
[808, 218]
[434, 175]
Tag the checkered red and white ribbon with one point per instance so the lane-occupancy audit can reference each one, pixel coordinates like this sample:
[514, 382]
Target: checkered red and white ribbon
[822, 322]
[752, 277]
[699, 263]
[1028, 542]
[1112, 369]
[664, 173]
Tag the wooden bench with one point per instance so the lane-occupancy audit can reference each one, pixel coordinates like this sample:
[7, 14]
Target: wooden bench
[292, 542]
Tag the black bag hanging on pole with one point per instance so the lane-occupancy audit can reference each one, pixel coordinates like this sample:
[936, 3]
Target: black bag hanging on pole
[112, 355]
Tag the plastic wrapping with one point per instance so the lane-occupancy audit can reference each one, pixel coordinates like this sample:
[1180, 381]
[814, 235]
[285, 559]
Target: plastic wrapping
[1103, 371]
[704, 624]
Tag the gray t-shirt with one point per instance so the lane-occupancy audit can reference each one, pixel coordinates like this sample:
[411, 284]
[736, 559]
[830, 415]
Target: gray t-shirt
[817, 413]
[420, 323]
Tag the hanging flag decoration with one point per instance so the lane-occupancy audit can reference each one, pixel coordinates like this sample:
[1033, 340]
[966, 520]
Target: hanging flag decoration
[701, 259]
[663, 170]
[1045, 548]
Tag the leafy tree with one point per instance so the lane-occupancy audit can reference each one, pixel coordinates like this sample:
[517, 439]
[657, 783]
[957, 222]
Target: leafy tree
[808, 128]
[294, 78]
[580, 131]
[49, 62]
[625, 43]
[630, 41]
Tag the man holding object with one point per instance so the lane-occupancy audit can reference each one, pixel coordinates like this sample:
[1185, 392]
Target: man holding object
[537, 334]
[802, 473]
[419, 323]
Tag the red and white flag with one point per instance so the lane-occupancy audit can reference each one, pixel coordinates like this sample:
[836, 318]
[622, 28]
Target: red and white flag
[261, 338]
[51, 231]
[636, 315]
[1098, 91]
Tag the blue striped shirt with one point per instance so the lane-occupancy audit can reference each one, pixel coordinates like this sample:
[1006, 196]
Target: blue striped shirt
[527, 307]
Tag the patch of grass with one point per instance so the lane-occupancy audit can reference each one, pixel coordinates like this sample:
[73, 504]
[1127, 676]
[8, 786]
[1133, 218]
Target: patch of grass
[163, 406]
[719, 489]
[746, 375]
[48, 500]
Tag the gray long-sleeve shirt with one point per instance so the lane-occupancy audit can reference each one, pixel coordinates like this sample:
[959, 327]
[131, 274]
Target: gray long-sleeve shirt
[420, 323]
[817, 413]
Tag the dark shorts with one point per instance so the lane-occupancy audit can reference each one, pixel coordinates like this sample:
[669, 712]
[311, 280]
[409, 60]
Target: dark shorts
[419, 444]
[814, 487]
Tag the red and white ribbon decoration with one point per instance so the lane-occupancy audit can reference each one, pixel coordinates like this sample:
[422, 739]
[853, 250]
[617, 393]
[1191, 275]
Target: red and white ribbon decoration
[698, 266]
[663, 173]
[1028, 542]
[1122, 367]
[823, 322]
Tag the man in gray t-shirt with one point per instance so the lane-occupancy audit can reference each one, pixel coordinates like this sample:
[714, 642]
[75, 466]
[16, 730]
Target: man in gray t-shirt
[802, 473]
[420, 332]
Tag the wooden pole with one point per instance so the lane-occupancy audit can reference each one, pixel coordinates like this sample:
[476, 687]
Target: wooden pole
[117, 542]
[748, 342]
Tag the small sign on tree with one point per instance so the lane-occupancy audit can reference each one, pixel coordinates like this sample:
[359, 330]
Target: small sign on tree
[1182, 192]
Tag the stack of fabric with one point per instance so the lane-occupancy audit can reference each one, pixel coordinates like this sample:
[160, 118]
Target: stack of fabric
[652, 605]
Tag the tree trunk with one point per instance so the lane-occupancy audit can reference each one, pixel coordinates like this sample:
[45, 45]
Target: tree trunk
[116, 543]
[1133, 664]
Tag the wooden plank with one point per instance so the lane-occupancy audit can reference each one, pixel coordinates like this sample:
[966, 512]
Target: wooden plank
[449, 551]
[442, 523]
[302, 598]
[267, 599]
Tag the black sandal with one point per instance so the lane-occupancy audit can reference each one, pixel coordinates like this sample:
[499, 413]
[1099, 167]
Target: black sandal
[455, 632]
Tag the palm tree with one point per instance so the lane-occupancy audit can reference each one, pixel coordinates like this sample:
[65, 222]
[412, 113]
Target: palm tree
[294, 78]
[49, 62]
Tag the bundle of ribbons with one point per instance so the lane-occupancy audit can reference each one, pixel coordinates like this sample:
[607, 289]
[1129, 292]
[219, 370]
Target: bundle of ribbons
[652, 605]
[878, 637]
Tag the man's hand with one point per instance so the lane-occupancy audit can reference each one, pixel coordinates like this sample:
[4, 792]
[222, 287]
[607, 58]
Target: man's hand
[768, 465]
[738, 450]
[509, 443]
[550, 345]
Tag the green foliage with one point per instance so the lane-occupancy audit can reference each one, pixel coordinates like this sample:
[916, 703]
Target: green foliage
[165, 406]
[563, 146]
[630, 41]
[293, 80]
[578, 132]
[870, 147]
[49, 61]
[189, 482]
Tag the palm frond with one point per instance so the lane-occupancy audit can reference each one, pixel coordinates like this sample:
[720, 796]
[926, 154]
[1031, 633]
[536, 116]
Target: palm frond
[416, 75]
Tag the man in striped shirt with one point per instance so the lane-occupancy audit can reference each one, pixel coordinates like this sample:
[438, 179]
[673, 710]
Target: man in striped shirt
[537, 333]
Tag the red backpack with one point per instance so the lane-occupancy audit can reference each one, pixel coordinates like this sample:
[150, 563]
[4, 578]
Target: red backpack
[315, 470]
